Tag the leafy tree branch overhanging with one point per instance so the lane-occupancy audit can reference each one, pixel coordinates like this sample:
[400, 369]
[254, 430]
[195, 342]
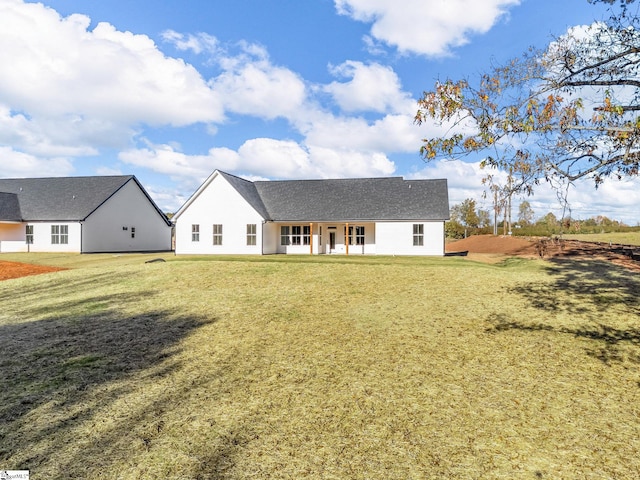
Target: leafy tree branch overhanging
[559, 114]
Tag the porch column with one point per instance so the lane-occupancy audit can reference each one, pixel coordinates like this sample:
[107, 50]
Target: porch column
[311, 239]
[346, 237]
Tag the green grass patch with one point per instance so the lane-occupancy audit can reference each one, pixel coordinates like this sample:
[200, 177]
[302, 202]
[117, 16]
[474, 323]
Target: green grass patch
[320, 367]
[623, 238]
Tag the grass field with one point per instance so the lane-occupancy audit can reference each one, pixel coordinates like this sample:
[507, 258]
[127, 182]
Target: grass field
[320, 368]
[623, 238]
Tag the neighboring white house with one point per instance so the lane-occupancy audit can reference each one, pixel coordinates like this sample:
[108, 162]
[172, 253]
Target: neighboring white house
[80, 214]
[384, 216]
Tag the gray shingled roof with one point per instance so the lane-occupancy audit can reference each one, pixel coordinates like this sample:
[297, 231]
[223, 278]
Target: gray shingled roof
[351, 199]
[63, 198]
[9, 208]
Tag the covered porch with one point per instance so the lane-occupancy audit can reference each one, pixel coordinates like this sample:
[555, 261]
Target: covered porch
[324, 238]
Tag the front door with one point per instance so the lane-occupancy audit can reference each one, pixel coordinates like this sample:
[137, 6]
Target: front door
[332, 241]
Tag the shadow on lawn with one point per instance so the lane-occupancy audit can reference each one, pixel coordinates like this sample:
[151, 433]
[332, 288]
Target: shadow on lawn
[595, 294]
[57, 371]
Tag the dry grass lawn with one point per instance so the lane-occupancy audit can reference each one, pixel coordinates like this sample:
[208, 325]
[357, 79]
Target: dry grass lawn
[321, 368]
[623, 238]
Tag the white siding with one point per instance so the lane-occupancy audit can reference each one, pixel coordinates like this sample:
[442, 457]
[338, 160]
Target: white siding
[13, 238]
[220, 204]
[396, 238]
[270, 238]
[104, 230]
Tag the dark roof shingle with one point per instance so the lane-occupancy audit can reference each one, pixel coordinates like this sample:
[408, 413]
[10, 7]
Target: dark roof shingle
[354, 199]
[9, 207]
[62, 198]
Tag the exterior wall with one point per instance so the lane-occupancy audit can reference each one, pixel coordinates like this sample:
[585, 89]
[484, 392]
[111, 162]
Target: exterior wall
[270, 237]
[104, 230]
[13, 237]
[219, 203]
[396, 238]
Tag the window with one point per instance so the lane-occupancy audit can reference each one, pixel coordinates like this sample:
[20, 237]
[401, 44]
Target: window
[349, 237]
[284, 235]
[217, 234]
[29, 234]
[133, 232]
[59, 234]
[251, 233]
[418, 234]
[359, 231]
[295, 235]
[195, 233]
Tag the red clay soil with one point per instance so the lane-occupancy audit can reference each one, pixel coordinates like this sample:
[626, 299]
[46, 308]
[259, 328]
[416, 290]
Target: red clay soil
[15, 270]
[543, 247]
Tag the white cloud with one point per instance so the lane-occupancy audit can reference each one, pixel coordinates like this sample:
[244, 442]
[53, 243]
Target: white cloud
[374, 88]
[169, 160]
[263, 157]
[18, 165]
[62, 70]
[108, 171]
[73, 91]
[428, 27]
[252, 85]
[391, 133]
[197, 43]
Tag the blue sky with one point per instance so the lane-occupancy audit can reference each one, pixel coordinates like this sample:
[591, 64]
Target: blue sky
[283, 89]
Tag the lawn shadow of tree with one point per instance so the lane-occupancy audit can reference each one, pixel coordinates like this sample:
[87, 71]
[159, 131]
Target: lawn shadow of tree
[58, 356]
[592, 292]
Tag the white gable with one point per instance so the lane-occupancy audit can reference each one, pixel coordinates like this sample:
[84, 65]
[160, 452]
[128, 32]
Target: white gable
[216, 202]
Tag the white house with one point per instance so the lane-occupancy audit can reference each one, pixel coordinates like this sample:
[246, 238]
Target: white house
[80, 214]
[384, 216]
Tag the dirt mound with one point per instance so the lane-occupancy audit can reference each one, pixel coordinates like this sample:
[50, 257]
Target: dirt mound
[15, 270]
[625, 255]
[506, 245]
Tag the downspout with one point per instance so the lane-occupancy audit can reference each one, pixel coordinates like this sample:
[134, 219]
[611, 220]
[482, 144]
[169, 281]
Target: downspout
[311, 238]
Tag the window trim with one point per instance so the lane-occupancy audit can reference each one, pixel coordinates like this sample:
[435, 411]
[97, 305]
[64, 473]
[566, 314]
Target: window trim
[28, 233]
[285, 235]
[355, 234]
[296, 235]
[306, 234]
[59, 234]
[360, 234]
[418, 234]
[217, 234]
[252, 234]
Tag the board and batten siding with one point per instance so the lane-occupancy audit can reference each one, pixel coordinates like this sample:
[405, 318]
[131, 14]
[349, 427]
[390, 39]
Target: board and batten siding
[14, 238]
[109, 228]
[396, 238]
[218, 204]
